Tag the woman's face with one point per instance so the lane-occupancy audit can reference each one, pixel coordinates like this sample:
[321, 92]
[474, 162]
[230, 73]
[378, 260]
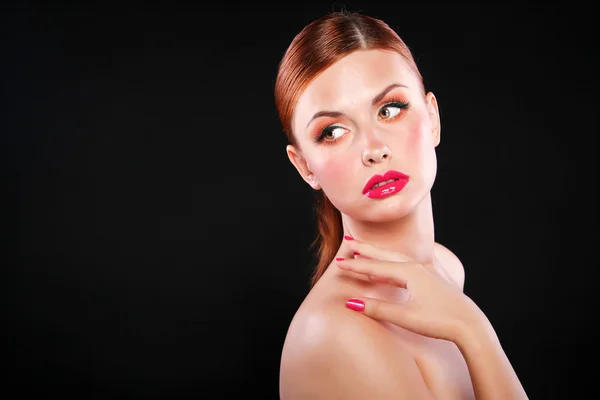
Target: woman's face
[366, 115]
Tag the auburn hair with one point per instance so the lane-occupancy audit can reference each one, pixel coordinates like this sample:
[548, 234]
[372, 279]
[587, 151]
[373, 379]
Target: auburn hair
[320, 44]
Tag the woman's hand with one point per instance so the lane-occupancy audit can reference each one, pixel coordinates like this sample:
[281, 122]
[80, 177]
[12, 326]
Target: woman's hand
[435, 306]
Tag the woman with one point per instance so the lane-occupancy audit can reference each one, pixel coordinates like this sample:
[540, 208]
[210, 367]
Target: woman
[386, 316]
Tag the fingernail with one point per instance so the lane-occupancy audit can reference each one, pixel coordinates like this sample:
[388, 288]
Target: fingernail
[356, 253]
[355, 304]
[348, 237]
[339, 259]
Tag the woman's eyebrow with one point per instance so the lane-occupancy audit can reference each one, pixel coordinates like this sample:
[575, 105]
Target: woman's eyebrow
[381, 95]
[376, 100]
[319, 114]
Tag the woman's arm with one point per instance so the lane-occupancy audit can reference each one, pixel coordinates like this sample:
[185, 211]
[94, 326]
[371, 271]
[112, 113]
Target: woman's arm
[339, 355]
[437, 308]
[491, 373]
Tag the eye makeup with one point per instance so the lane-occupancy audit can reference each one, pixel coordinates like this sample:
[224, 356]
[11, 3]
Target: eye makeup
[325, 130]
[397, 103]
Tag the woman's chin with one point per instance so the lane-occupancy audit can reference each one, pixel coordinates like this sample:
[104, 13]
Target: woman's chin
[381, 212]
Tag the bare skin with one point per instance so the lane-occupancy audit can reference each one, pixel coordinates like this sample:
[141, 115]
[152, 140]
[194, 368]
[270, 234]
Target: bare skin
[419, 336]
[443, 368]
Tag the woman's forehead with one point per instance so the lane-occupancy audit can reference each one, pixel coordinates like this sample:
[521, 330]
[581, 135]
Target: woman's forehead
[357, 77]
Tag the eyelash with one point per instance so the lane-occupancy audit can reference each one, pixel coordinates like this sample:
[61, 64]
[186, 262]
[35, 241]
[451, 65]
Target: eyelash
[394, 102]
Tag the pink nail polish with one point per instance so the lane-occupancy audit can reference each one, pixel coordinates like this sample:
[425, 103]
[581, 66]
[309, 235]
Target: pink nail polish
[355, 304]
[339, 259]
[348, 237]
[356, 253]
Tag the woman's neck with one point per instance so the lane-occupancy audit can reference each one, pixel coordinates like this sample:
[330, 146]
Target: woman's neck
[412, 235]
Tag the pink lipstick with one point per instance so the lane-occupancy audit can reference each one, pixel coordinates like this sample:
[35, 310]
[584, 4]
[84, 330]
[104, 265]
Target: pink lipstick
[380, 186]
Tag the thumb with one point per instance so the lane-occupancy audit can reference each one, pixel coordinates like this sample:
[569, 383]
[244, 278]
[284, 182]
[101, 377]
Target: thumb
[400, 314]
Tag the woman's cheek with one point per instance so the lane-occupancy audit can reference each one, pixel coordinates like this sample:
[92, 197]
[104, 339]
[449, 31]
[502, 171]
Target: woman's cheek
[420, 151]
[333, 173]
[417, 143]
[415, 138]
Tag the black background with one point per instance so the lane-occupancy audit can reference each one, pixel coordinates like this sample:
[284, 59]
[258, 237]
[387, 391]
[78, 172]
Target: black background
[161, 234]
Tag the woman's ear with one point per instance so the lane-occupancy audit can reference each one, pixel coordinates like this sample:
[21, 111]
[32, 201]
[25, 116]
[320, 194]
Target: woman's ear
[302, 166]
[434, 116]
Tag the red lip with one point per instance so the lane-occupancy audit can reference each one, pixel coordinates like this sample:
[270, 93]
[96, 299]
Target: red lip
[396, 175]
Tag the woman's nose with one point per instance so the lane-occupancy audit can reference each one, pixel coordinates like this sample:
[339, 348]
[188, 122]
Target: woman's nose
[376, 152]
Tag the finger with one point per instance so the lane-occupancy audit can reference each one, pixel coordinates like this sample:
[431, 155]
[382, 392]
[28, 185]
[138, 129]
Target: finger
[375, 279]
[367, 250]
[396, 273]
[400, 314]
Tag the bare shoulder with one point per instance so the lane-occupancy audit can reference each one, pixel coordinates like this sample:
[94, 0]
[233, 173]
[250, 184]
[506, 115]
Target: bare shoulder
[451, 263]
[333, 352]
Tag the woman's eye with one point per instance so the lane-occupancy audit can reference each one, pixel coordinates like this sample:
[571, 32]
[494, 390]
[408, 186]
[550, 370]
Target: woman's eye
[389, 111]
[333, 132]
